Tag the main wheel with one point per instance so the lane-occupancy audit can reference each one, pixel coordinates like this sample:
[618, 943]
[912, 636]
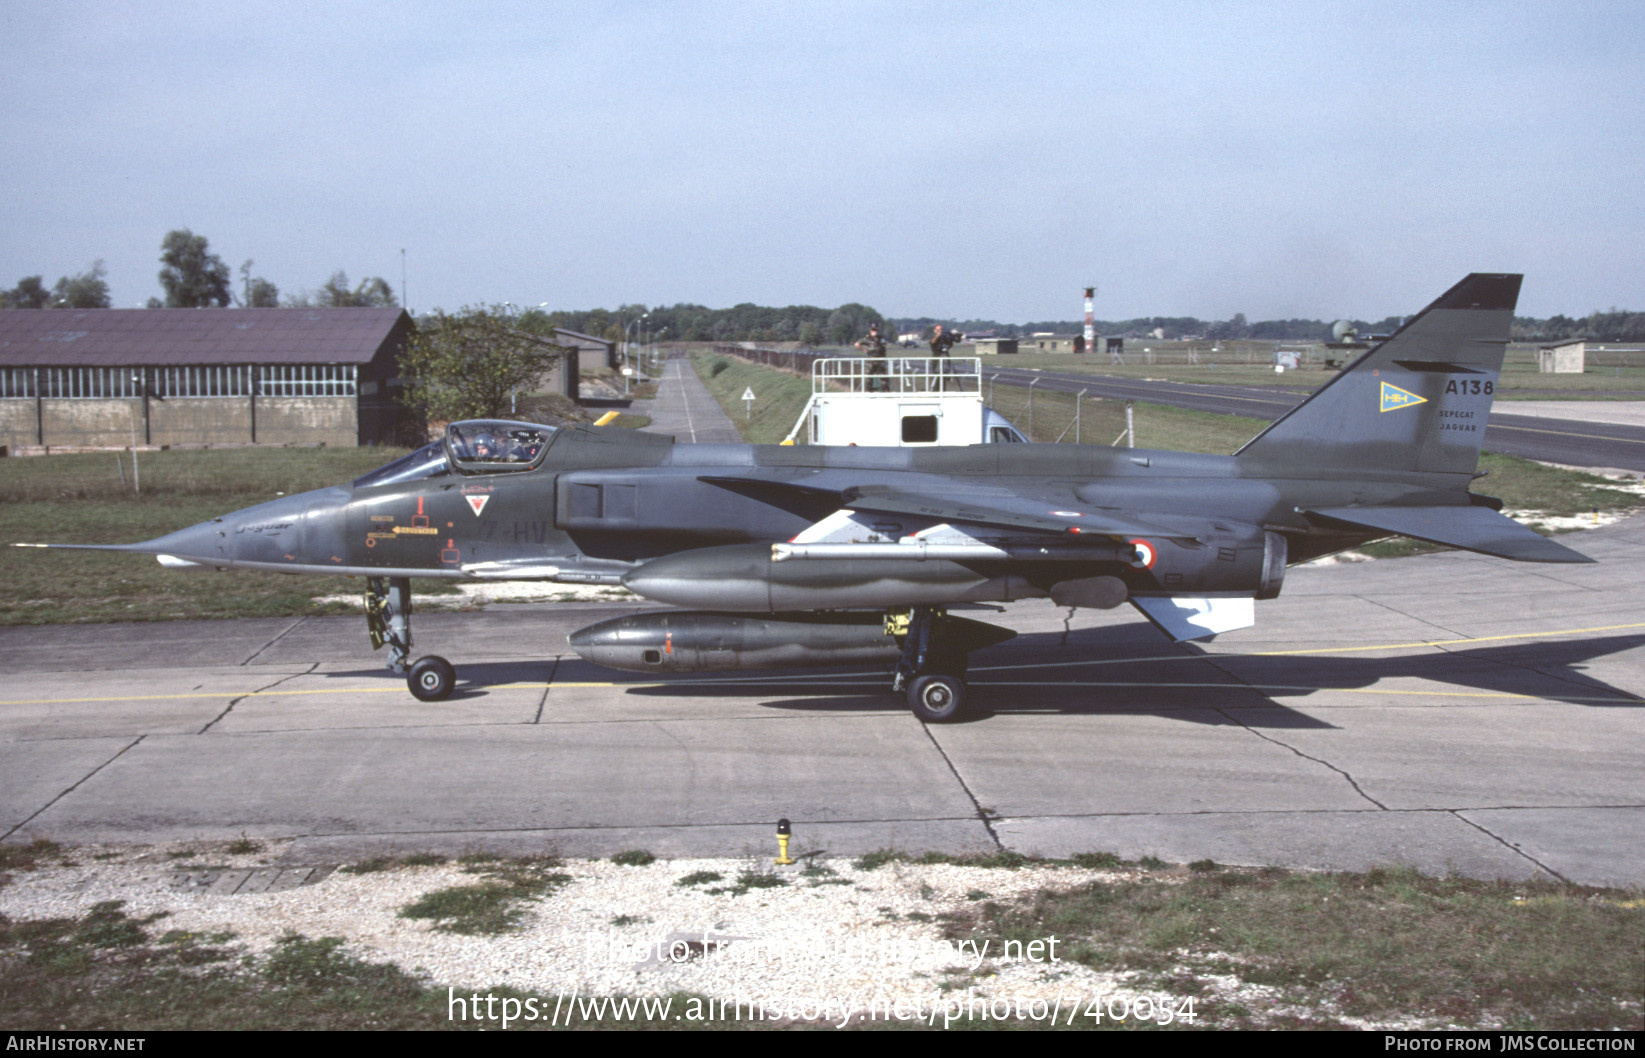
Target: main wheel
[431, 679]
[937, 699]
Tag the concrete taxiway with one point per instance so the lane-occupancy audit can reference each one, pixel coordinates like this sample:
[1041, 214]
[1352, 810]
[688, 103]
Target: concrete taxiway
[1449, 711]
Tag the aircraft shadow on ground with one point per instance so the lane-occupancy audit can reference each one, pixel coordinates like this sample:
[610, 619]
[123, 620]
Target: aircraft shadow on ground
[1039, 674]
[1088, 673]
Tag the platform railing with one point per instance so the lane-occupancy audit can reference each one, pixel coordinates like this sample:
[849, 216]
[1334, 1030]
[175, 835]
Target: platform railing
[896, 375]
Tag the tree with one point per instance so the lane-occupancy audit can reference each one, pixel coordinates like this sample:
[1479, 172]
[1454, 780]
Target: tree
[259, 293]
[193, 278]
[29, 293]
[469, 364]
[372, 293]
[84, 291]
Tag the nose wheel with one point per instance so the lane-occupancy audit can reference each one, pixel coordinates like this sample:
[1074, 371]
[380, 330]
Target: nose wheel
[388, 619]
[431, 679]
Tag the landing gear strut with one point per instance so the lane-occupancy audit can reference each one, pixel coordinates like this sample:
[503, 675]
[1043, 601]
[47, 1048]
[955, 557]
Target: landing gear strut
[930, 672]
[388, 619]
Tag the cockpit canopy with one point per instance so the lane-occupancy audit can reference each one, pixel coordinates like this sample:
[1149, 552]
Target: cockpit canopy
[483, 446]
[493, 444]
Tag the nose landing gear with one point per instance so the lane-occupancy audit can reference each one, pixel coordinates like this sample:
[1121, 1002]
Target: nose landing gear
[388, 619]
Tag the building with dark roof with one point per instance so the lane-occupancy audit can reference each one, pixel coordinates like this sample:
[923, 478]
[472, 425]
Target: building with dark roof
[597, 350]
[200, 376]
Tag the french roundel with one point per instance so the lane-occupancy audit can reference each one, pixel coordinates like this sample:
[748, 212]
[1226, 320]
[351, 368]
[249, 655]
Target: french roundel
[1145, 554]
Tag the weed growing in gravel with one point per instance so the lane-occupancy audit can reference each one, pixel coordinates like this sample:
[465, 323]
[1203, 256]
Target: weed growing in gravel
[27, 857]
[633, 858]
[872, 861]
[243, 846]
[701, 878]
[749, 879]
[493, 906]
[385, 863]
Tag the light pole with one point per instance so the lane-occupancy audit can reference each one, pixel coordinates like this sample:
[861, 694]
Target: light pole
[627, 367]
[656, 363]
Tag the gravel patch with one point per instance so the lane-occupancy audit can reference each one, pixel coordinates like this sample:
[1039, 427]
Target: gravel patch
[834, 932]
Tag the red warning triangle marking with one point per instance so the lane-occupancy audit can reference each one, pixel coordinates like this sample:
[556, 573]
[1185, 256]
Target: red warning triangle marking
[478, 502]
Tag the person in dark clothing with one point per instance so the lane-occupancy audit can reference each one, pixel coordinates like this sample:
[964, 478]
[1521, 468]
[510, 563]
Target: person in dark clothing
[941, 342]
[873, 347]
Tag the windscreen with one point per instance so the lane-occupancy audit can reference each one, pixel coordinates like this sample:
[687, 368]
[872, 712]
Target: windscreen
[426, 462]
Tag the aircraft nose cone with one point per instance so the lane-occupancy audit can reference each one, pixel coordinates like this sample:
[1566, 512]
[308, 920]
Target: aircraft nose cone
[305, 529]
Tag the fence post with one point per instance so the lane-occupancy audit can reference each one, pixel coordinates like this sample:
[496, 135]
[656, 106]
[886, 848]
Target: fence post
[1078, 397]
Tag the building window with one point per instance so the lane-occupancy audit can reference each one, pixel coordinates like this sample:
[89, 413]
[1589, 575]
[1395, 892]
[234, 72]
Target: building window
[202, 380]
[307, 380]
[16, 381]
[196, 380]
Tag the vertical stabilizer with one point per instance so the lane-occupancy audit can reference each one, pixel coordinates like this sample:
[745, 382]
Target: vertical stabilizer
[1416, 402]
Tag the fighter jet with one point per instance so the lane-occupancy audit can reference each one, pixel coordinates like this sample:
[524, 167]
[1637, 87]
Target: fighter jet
[811, 556]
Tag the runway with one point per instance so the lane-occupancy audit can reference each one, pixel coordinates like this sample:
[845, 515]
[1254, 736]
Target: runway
[1448, 711]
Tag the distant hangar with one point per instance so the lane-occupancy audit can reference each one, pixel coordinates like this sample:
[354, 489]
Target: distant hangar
[200, 376]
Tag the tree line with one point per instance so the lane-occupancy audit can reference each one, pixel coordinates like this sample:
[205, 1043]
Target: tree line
[193, 277]
[747, 322]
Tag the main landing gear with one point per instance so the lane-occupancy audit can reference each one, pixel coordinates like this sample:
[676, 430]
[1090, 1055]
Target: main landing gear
[388, 618]
[931, 672]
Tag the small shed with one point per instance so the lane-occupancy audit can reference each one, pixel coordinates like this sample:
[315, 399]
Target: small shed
[1563, 358]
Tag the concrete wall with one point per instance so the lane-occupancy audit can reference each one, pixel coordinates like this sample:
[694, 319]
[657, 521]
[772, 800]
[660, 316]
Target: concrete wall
[198, 421]
[182, 420]
[93, 422]
[283, 420]
[16, 422]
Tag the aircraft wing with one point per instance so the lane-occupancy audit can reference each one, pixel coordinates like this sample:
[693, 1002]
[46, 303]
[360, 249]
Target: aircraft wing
[1471, 528]
[1003, 511]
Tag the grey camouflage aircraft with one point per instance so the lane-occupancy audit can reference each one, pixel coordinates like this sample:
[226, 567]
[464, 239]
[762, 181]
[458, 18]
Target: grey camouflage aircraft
[809, 556]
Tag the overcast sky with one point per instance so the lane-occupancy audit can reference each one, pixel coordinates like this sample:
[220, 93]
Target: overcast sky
[967, 160]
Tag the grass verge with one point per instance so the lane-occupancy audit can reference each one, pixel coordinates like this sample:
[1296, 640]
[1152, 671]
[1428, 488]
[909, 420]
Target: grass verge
[81, 498]
[1389, 945]
[780, 395]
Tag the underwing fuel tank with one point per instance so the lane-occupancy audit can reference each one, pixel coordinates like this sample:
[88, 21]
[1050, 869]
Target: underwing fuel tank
[692, 641]
[743, 577]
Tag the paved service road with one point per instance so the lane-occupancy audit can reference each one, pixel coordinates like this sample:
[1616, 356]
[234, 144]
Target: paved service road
[684, 409]
[1571, 442]
[1449, 711]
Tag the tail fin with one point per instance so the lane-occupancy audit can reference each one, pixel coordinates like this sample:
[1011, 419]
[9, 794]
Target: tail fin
[1416, 402]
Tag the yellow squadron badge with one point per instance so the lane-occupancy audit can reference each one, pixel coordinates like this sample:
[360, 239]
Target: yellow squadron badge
[1394, 398]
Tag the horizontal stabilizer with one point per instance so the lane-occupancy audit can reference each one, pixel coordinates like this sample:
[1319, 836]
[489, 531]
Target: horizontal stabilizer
[1184, 618]
[1470, 528]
